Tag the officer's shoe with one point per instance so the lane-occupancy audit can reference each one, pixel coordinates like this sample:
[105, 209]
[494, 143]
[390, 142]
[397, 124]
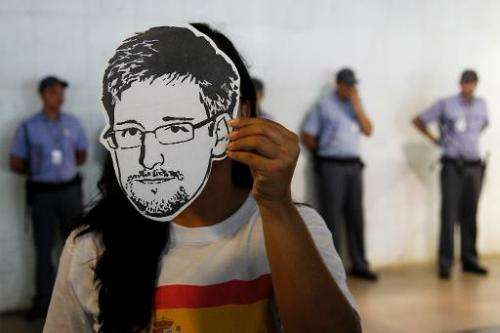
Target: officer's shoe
[474, 269]
[36, 312]
[444, 273]
[364, 274]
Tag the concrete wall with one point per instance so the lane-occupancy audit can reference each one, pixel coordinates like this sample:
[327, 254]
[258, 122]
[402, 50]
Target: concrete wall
[406, 53]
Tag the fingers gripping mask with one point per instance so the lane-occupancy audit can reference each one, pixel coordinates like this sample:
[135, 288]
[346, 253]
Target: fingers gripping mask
[168, 95]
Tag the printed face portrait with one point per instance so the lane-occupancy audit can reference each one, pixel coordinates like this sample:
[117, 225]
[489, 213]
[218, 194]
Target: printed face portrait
[169, 94]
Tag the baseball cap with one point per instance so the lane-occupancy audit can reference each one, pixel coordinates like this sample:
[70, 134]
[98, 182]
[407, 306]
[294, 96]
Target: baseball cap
[346, 76]
[50, 81]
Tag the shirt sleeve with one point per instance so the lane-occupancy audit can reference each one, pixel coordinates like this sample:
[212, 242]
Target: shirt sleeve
[323, 240]
[81, 140]
[312, 122]
[433, 113]
[65, 311]
[19, 146]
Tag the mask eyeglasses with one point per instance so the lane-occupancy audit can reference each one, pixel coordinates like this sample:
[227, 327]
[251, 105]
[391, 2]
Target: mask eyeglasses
[170, 134]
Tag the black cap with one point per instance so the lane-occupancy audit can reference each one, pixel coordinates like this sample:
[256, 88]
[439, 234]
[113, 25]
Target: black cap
[50, 81]
[347, 76]
[469, 75]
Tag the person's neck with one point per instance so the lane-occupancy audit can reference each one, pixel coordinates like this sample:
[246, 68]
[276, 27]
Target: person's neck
[218, 201]
[51, 113]
[466, 98]
[340, 97]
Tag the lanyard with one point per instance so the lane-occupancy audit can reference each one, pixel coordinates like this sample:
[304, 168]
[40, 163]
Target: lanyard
[55, 131]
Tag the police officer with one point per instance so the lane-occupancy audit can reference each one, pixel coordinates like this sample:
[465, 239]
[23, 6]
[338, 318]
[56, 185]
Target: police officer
[48, 147]
[331, 131]
[461, 119]
[260, 91]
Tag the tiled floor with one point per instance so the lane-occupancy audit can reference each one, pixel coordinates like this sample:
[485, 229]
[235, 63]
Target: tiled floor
[406, 299]
[412, 299]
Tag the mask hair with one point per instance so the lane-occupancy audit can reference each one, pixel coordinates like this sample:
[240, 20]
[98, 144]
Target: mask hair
[149, 56]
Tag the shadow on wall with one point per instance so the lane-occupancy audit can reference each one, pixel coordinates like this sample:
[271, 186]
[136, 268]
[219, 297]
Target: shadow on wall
[424, 163]
[421, 158]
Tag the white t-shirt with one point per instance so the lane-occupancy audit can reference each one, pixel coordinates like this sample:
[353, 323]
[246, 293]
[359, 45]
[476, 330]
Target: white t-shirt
[212, 279]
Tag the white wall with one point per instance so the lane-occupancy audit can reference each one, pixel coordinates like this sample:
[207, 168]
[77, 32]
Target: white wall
[406, 53]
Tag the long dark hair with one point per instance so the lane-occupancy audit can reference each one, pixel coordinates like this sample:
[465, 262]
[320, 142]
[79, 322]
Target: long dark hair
[126, 271]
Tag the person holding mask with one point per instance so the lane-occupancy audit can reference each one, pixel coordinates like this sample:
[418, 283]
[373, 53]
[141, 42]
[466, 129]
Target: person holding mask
[48, 147]
[164, 251]
[461, 119]
[331, 132]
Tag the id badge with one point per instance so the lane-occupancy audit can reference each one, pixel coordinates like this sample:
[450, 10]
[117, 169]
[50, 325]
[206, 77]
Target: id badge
[56, 157]
[461, 125]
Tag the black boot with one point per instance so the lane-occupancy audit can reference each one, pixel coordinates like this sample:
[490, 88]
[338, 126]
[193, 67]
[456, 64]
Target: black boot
[364, 274]
[474, 269]
[444, 273]
[36, 312]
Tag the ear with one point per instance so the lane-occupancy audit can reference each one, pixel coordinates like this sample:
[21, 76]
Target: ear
[221, 135]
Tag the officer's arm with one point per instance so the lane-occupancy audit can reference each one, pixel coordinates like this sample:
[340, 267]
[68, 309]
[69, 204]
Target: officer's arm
[18, 164]
[364, 122]
[309, 141]
[81, 156]
[422, 127]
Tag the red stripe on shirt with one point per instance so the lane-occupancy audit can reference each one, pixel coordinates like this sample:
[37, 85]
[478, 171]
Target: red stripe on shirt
[230, 292]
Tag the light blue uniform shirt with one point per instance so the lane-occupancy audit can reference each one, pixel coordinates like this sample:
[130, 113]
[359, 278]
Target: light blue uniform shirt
[49, 146]
[335, 126]
[460, 124]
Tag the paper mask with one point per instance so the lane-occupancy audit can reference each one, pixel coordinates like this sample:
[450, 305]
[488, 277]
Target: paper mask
[168, 94]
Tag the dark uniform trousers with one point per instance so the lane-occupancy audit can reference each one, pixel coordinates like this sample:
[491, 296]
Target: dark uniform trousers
[52, 210]
[460, 189]
[340, 196]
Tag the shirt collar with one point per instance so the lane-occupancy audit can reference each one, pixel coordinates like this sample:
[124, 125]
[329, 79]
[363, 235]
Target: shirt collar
[199, 235]
[42, 116]
[462, 101]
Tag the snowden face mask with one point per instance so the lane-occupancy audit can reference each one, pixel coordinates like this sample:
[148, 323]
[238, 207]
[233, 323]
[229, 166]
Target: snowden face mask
[168, 95]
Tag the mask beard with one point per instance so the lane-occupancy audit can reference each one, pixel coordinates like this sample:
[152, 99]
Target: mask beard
[157, 193]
